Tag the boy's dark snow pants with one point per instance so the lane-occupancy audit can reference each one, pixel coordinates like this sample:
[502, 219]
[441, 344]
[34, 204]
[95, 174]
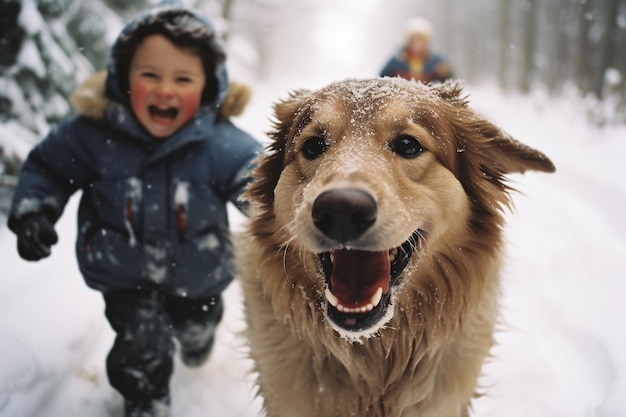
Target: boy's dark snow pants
[146, 322]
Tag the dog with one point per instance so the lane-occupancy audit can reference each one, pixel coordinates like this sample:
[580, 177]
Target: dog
[370, 264]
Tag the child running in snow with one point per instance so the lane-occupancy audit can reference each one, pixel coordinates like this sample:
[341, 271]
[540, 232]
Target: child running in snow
[416, 60]
[156, 164]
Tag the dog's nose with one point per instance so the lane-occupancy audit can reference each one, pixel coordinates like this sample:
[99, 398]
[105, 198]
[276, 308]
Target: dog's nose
[344, 214]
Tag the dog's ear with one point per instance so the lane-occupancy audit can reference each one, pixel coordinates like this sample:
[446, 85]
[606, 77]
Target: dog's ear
[286, 110]
[513, 156]
[499, 153]
[288, 115]
[485, 155]
[502, 153]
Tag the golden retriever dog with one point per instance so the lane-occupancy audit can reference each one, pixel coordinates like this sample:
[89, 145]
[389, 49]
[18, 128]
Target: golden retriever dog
[370, 265]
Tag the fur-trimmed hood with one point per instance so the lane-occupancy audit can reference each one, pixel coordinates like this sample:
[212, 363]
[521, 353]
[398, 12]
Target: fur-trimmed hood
[89, 99]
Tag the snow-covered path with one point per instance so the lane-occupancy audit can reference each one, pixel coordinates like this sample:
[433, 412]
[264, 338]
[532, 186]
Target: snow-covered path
[563, 348]
[562, 345]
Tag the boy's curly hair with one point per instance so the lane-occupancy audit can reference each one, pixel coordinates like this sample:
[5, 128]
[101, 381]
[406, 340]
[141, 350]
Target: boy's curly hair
[183, 29]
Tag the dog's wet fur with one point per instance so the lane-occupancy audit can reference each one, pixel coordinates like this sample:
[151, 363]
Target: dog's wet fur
[370, 267]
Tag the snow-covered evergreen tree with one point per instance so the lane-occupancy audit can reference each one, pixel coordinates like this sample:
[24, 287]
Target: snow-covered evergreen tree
[42, 67]
[46, 48]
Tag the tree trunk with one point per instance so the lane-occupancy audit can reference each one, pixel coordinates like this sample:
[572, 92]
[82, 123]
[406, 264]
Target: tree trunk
[581, 65]
[529, 30]
[505, 44]
[227, 13]
[606, 48]
[559, 55]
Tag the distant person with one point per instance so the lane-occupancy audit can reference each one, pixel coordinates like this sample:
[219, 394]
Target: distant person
[156, 161]
[415, 60]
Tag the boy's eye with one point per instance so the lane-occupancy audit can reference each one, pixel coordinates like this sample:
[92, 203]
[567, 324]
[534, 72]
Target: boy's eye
[148, 74]
[183, 79]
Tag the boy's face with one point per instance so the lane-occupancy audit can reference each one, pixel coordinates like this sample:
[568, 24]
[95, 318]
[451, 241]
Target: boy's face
[166, 84]
[418, 45]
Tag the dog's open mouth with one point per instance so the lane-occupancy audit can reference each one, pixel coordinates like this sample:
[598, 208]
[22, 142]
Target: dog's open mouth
[359, 283]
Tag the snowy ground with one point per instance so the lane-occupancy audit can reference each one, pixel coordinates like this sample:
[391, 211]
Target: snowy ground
[562, 345]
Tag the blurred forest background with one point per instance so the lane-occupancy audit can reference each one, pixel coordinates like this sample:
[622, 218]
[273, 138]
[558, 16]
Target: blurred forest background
[575, 48]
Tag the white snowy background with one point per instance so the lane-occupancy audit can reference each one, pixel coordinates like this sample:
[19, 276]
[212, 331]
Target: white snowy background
[562, 340]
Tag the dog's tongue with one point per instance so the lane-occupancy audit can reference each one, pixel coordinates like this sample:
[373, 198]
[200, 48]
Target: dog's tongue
[358, 274]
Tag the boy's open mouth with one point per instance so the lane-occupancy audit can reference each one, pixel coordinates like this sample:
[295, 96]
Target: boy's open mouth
[359, 283]
[163, 114]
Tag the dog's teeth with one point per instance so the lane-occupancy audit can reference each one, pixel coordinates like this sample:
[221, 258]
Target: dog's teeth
[378, 295]
[392, 254]
[364, 309]
[334, 301]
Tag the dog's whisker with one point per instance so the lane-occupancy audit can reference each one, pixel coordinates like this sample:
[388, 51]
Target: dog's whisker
[423, 247]
[285, 248]
[288, 229]
[302, 255]
[291, 228]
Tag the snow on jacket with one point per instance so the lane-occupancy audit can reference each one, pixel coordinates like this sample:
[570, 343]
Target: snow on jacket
[151, 211]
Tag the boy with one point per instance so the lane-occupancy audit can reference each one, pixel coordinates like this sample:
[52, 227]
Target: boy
[156, 166]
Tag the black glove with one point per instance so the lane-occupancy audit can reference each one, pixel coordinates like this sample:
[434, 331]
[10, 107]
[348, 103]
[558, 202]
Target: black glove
[35, 235]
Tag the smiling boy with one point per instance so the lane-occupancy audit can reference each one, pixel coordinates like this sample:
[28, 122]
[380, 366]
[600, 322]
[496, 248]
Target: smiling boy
[166, 84]
[156, 165]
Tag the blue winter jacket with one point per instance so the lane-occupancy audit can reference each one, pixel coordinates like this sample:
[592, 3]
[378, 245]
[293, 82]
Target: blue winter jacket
[152, 211]
[398, 66]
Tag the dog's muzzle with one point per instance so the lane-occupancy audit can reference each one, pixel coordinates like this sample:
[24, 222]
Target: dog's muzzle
[359, 282]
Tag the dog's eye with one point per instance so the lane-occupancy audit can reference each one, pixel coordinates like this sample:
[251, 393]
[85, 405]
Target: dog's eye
[406, 146]
[314, 147]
